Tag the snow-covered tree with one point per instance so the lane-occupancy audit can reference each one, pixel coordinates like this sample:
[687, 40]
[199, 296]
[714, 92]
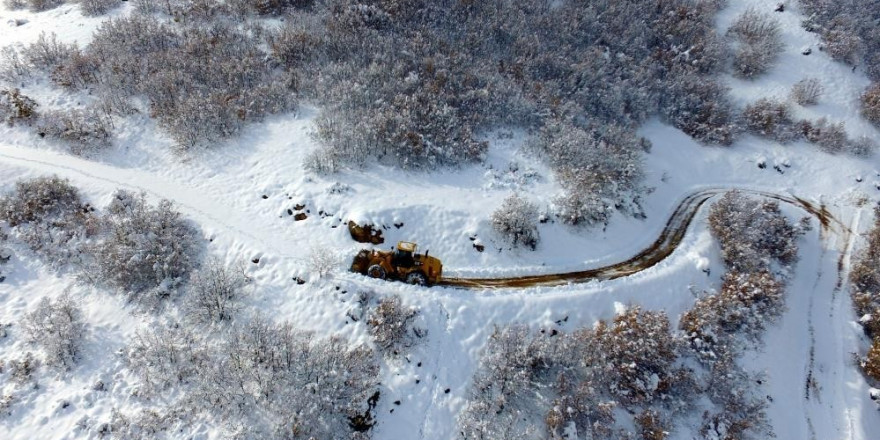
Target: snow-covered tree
[516, 220]
[58, 328]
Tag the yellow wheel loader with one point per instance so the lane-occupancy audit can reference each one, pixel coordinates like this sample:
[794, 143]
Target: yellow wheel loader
[402, 263]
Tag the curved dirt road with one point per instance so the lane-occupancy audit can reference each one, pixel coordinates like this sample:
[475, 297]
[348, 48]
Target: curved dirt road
[669, 239]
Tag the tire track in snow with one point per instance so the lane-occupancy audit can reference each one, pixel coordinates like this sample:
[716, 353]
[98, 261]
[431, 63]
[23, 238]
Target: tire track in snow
[182, 196]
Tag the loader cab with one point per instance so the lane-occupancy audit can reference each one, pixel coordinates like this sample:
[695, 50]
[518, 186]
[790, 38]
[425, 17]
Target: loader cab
[403, 254]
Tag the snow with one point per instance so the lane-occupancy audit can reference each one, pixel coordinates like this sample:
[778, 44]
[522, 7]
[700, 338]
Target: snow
[814, 389]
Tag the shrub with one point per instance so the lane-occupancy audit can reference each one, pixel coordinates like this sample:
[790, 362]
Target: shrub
[863, 146]
[47, 52]
[752, 233]
[830, 137]
[759, 41]
[600, 169]
[516, 220]
[865, 278]
[16, 107]
[14, 4]
[39, 200]
[392, 326]
[85, 131]
[770, 119]
[269, 380]
[165, 357]
[871, 364]
[871, 104]
[58, 328]
[806, 91]
[22, 370]
[147, 251]
[215, 291]
[203, 82]
[49, 216]
[699, 107]
[97, 7]
[746, 303]
[532, 383]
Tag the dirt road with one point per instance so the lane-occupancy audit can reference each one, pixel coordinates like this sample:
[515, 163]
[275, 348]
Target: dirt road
[669, 239]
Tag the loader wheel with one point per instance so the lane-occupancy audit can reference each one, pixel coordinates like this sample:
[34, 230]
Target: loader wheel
[416, 278]
[376, 271]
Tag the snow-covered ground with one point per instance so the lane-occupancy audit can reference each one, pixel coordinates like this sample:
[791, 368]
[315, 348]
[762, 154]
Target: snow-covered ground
[240, 193]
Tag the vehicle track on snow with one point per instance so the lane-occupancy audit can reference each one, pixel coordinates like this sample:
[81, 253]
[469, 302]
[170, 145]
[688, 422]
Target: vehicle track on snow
[668, 241]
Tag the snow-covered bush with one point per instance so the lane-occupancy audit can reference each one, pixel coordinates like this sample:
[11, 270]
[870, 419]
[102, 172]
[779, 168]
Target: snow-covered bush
[740, 410]
[829, 136]
[48, 215]
[16, 107]
[531, 383]
[771, 119]
[165, 356]
[746, 303]
[759, 42]
[58, 328]
[392, 325]
[849, 30]
[752, 233]
[47, 52]
[806, 91]
[698, 106]
[865, 279]
[862, 146]
[147, 251]
[871, 104]
[22, 370]
[203, 82]
[871, 364]
[314, 387]
[516, 220]
[85, 131]
[600, 169]
[97, 7]
[33, 5]
[215, 290]
[38, 200]
[261, 379]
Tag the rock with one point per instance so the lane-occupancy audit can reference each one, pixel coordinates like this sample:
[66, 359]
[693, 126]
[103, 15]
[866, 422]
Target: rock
[299, 207]
[300, 216]
[365, 233]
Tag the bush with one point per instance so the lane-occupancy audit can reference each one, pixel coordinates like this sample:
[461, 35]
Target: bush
[865, 279]
[746, 303]
[392, 326]
[147, 251]
[699, 107]
[830, 137]
[203, 82]
[215, 291]
[85, 131]
[165, 357]
[871, 364]
[58, 328]
[270, 381]
[752, 234]
[806, 91]
[871, 104]
[39, 200]
[516, 220]
[49, 216]
[600, 169]
[47, 52]
[759, 41]
[14, 4]
[532, 383]
[770, 119]
[16, 107]
[97, 7]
